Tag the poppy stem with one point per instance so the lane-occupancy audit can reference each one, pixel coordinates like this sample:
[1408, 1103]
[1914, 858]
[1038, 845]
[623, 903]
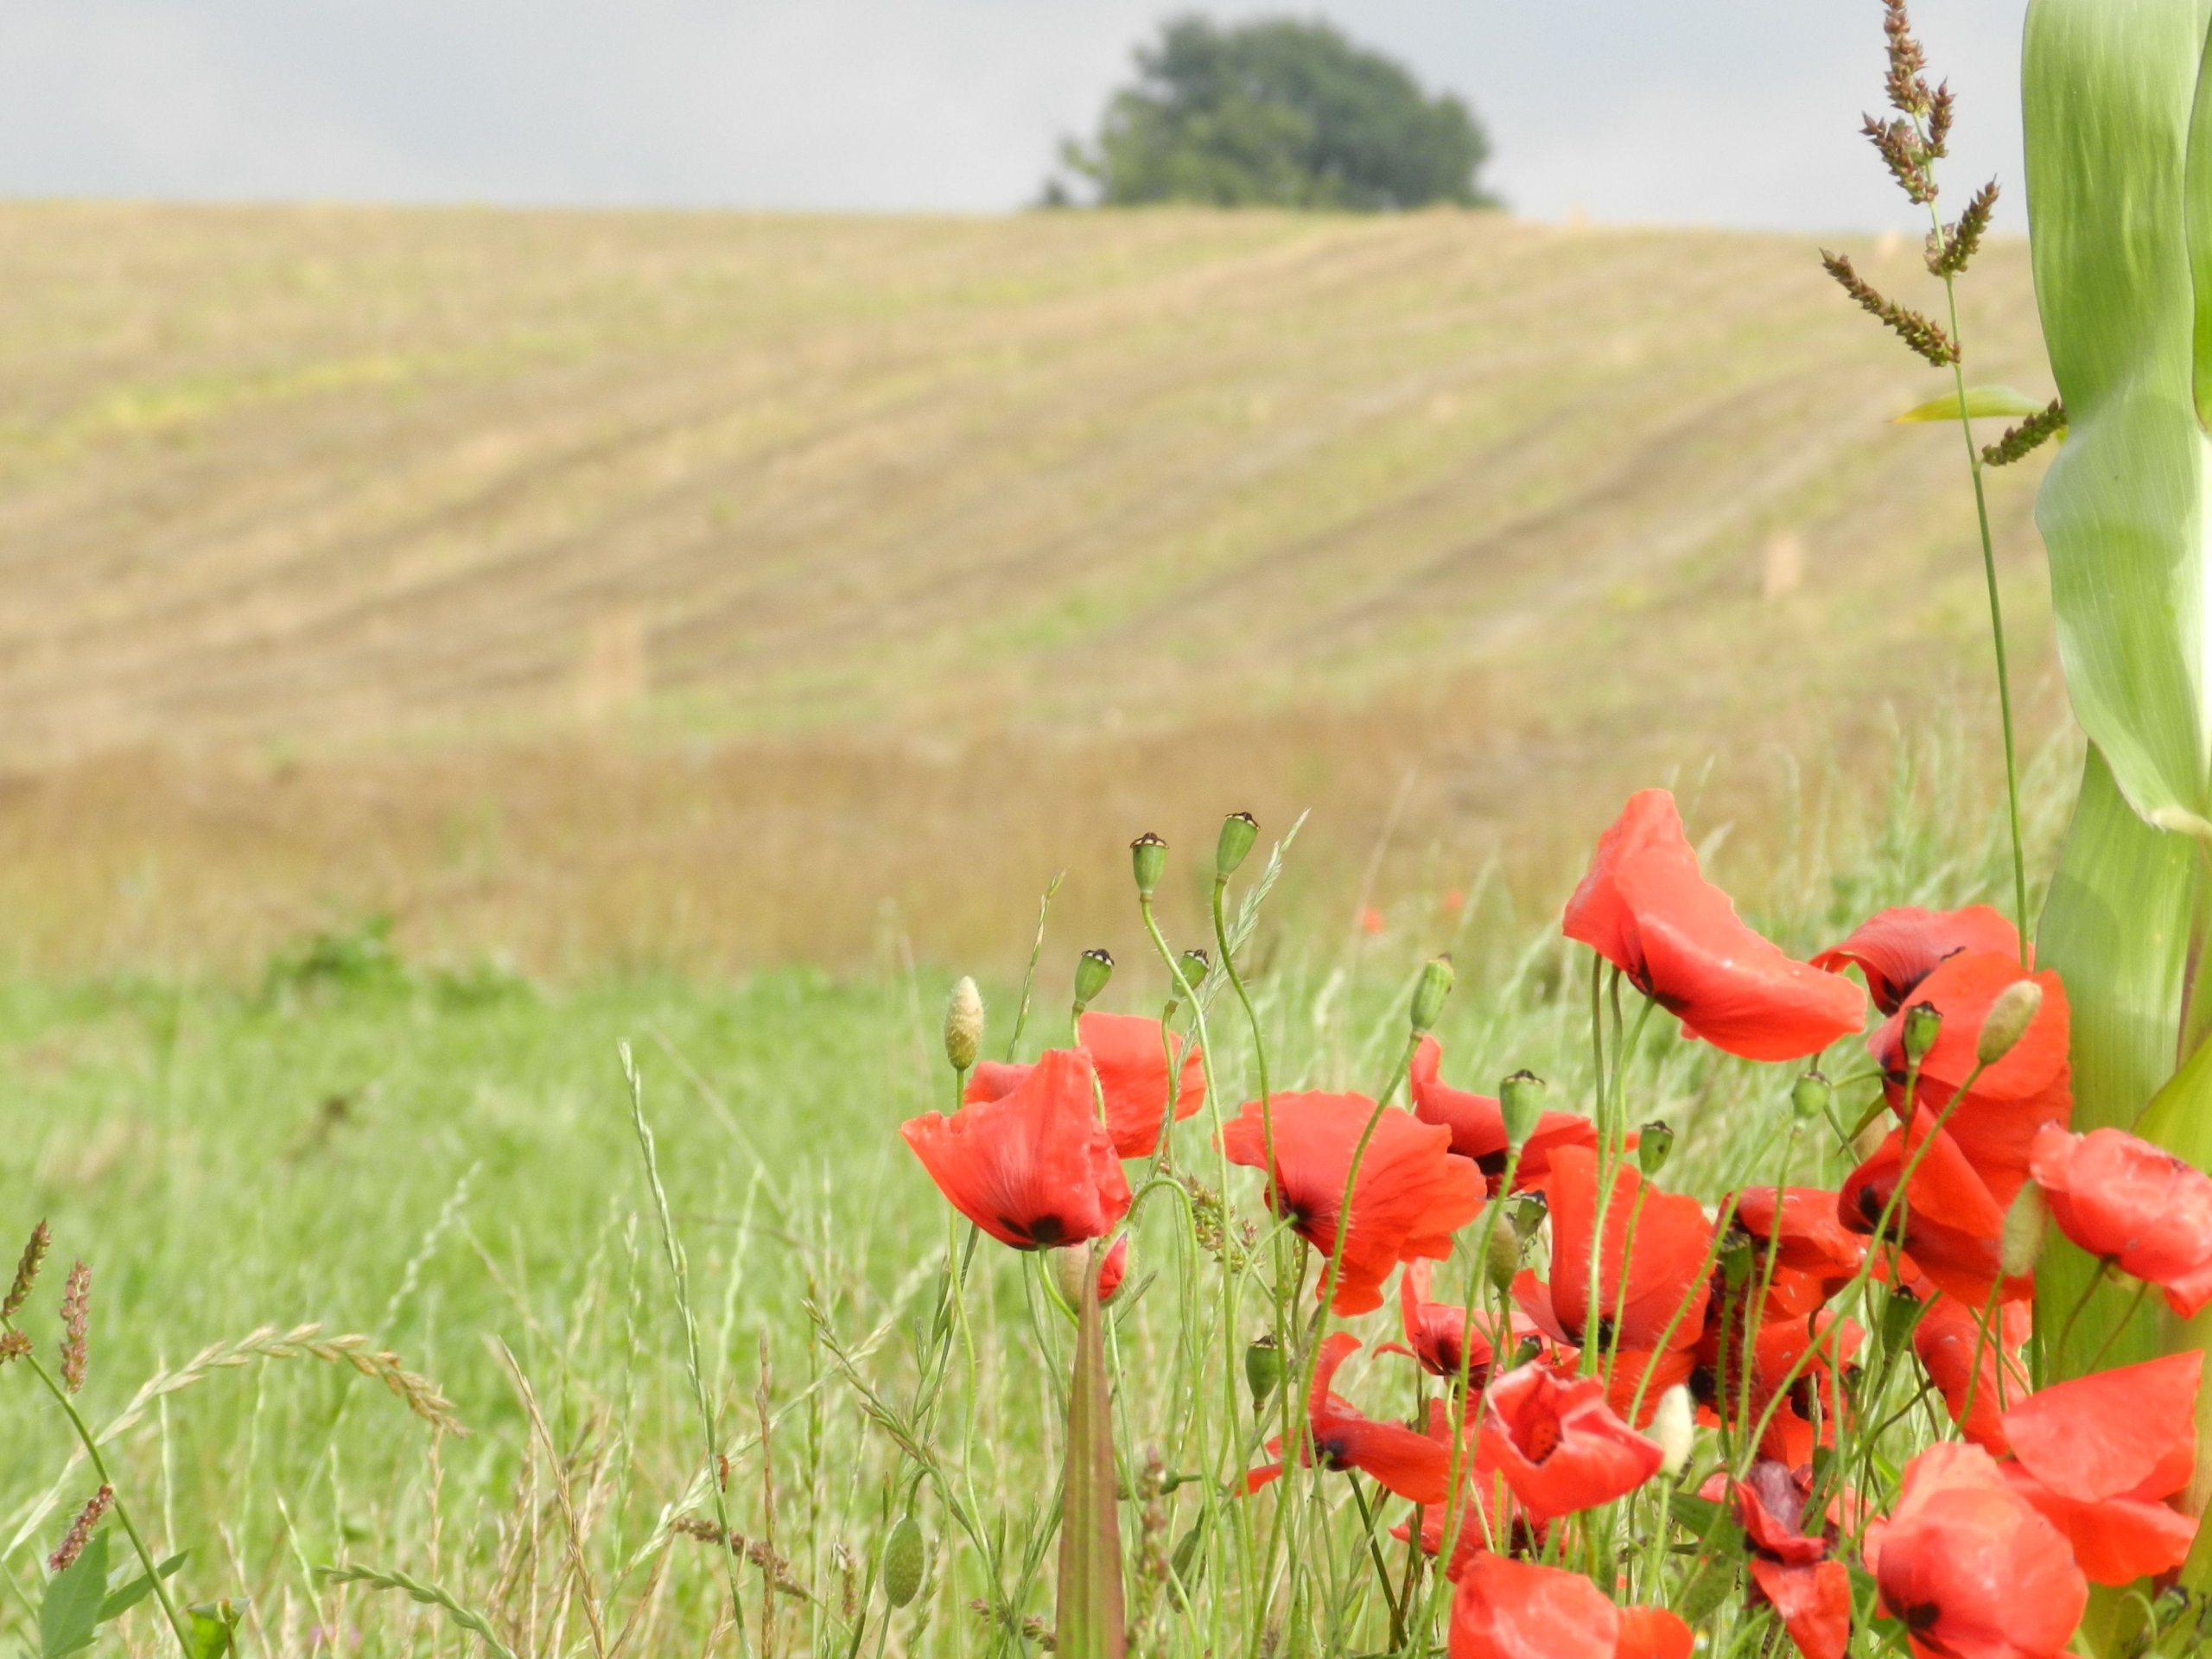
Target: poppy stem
[1381, 1567]
[1029, 979]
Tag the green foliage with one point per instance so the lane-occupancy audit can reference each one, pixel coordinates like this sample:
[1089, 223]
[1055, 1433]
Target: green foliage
[70, 1611]
[1278, 112]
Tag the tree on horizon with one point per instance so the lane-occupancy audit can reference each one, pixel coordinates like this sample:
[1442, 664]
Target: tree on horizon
[1280, 112]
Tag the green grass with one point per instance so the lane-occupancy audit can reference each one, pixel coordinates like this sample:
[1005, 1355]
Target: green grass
[443, 1159]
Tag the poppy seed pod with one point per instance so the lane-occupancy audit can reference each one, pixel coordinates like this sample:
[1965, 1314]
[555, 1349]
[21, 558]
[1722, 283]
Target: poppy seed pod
[1924, 1023]
[2007, 1021]
[2021, 1243]
[1092, 969]
[1263, 1371]
[1653, 1142]
[1149, 859]
[903, 1555]
[1531, 1348]
[1521, 1104]
[1239, 831]
[1430, 992]
[1809, 1095]
[1674, 1426]
[1196, 965]
[1736, 1262]
[964, 1024]
[1529, 1211]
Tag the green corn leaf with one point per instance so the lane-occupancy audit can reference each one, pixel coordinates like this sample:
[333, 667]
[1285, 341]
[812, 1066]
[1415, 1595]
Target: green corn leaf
[1996, 401]
[2110, 89]
[70, 1611]
[1091, 1618]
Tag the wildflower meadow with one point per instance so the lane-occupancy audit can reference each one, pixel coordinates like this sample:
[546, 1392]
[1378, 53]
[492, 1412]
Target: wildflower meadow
[1658, 1279]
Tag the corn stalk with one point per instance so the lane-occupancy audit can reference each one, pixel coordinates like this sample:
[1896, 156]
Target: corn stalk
[2119, 205]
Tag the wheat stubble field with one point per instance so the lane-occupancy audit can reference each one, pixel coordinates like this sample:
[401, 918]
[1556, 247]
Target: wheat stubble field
[584, 586]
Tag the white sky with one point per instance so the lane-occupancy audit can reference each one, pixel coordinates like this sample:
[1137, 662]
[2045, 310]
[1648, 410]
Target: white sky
[1722, 111]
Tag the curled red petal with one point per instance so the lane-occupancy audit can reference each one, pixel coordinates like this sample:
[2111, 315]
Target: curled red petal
[2131, 1432]
[1653, 1633]
[2119, 1197]
[1897, 949]
[2115, 1540]
[1560, 1445]
[1663, 1239]
[1131, 1054]
[1813, 1600]
[1504, 1608]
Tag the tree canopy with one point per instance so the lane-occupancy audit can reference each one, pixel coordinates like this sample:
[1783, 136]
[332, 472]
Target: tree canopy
[1277, 112]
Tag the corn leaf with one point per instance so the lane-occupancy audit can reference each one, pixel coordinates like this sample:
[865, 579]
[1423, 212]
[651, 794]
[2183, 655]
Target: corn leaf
[2110, 93]
[1090, 1615]
[1998, 401]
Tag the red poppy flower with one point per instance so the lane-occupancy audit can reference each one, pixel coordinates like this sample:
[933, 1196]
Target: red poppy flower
[2012, 1100]
[1113, 1268]
[2122, 1198]
[1489, 1516]
[1478, 1125]
[1953, 1225]
[1806, 1235]
[1505, 1608]
[1438, 1335]
[1653, 1633]
[1897, 949]
[1979, 1373]
[1405, 1461]
[1968, 1565]
[1412, 1192]
[1790, 1567]
[1560, 1445]
[1654, 1263]
[1803, 1359]
[1132, 1064]
[1034, 1168]
[2099, 1455]
[1645, 907]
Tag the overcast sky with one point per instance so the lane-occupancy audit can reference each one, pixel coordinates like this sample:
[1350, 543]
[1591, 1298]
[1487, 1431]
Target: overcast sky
[1722, 111]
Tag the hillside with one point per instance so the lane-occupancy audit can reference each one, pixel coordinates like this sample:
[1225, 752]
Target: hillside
[681, 587]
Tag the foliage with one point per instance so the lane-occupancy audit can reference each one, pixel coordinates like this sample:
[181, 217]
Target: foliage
[1278, 112]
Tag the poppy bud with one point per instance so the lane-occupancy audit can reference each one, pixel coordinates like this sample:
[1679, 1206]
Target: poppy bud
[1263, 1371]
[1070, 1268]
[964, 1024]
[1185, 1558]
[2022, 1242]
[1434, 985]
[1809, 1096]
[1521, 1104]
[1653, 1142]
[1528, 1212]
[1673, 1426]
[1148, 858]
[1092, 969]
[903, 1554]
[1504, 1257]
[1239, 831]
[1923, 1023]
[2008, 1020]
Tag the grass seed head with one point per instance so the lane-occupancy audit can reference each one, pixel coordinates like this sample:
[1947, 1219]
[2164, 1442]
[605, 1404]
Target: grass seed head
[33, 1258]
[14, 1345]
[80, 1531]
[76, 1326]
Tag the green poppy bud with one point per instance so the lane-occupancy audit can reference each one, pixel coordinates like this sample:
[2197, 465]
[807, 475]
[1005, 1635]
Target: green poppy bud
[1263, 1371]
[1653, 1142]
[1148, 858]
[1092, 969]
[1521, 1102]
[1924, 1023]
[2022, 1240]
[963, 1025]
[1504, 1255]
[1429, 993]
[1809, 1096]
[1239, 831]
[2008, 1019]
[903, 1560]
